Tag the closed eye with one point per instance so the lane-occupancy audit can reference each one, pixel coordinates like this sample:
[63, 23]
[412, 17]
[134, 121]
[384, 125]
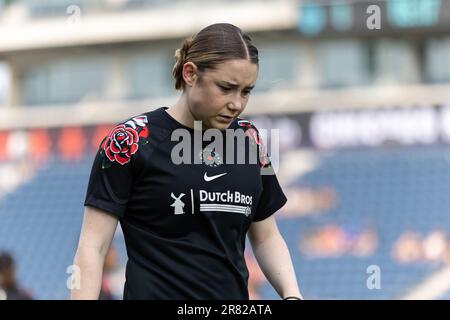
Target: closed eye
[225, 89]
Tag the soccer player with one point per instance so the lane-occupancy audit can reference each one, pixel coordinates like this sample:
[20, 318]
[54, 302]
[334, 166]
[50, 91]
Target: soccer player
[185, 223]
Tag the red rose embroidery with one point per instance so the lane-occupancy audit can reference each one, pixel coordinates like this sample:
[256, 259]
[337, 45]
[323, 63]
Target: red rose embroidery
[121, 144]
[144, 133]
[263, 158]
[244, 123]
[253, 135]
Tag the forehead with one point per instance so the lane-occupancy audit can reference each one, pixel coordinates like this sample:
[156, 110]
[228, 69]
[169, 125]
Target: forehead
[239, 71]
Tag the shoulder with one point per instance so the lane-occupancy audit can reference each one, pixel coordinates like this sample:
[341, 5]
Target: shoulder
[254, 136]
[244, 124]
[125, 139]
[250, 130]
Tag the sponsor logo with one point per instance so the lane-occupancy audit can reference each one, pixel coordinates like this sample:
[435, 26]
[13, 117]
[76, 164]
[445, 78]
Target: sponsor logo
[227, 197]
[207, 179]
[178, 205]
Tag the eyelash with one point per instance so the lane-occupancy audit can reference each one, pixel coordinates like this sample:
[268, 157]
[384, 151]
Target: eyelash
[225, 89]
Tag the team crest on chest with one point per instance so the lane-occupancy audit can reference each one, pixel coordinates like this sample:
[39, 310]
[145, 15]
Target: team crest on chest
[210, 157]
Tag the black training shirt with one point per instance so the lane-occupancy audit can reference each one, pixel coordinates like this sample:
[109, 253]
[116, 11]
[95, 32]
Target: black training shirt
[184, 224]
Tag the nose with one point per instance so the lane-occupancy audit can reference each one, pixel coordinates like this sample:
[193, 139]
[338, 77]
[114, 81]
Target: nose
[235, 105]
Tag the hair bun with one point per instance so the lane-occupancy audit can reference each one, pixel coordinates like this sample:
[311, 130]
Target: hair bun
[181, 53]
[180, 57]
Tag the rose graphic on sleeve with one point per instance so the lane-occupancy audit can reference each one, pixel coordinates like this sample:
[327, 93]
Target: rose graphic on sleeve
[121, 144]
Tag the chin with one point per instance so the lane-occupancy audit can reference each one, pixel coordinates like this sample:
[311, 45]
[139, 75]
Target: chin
[220, 126]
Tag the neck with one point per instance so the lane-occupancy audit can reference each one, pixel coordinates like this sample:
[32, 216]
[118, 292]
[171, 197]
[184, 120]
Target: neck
[181, 112]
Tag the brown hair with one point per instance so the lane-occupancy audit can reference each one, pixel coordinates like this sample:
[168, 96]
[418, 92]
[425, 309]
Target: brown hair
[213, 45]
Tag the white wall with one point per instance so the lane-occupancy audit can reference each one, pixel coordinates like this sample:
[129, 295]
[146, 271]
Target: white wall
[4, 83]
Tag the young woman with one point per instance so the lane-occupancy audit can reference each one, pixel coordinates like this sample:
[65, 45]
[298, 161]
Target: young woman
[185, 224]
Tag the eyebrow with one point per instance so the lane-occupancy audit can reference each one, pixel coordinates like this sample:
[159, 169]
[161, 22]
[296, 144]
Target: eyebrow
[236, 85]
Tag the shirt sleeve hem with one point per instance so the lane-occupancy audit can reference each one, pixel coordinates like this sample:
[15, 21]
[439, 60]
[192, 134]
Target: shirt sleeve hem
[270, 210]
[111, 208]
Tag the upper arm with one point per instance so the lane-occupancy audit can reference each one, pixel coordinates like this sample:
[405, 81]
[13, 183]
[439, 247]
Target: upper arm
[116, 165]
[98, 229]
[261, 230]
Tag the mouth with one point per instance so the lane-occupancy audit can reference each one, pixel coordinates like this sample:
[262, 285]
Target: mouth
[224, 118]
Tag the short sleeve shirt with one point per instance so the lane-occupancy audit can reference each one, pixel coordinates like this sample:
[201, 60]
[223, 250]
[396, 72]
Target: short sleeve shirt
[185, 223]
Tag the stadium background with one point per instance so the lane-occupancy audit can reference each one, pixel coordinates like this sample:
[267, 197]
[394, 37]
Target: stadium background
[363, 114]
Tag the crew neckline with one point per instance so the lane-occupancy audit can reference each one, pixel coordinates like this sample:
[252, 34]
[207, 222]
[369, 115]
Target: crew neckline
[178, 124]
[174, 122]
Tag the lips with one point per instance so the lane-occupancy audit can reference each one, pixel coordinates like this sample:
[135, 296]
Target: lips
[223, 118]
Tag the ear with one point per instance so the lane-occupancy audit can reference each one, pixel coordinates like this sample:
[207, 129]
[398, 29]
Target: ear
[190, 73]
